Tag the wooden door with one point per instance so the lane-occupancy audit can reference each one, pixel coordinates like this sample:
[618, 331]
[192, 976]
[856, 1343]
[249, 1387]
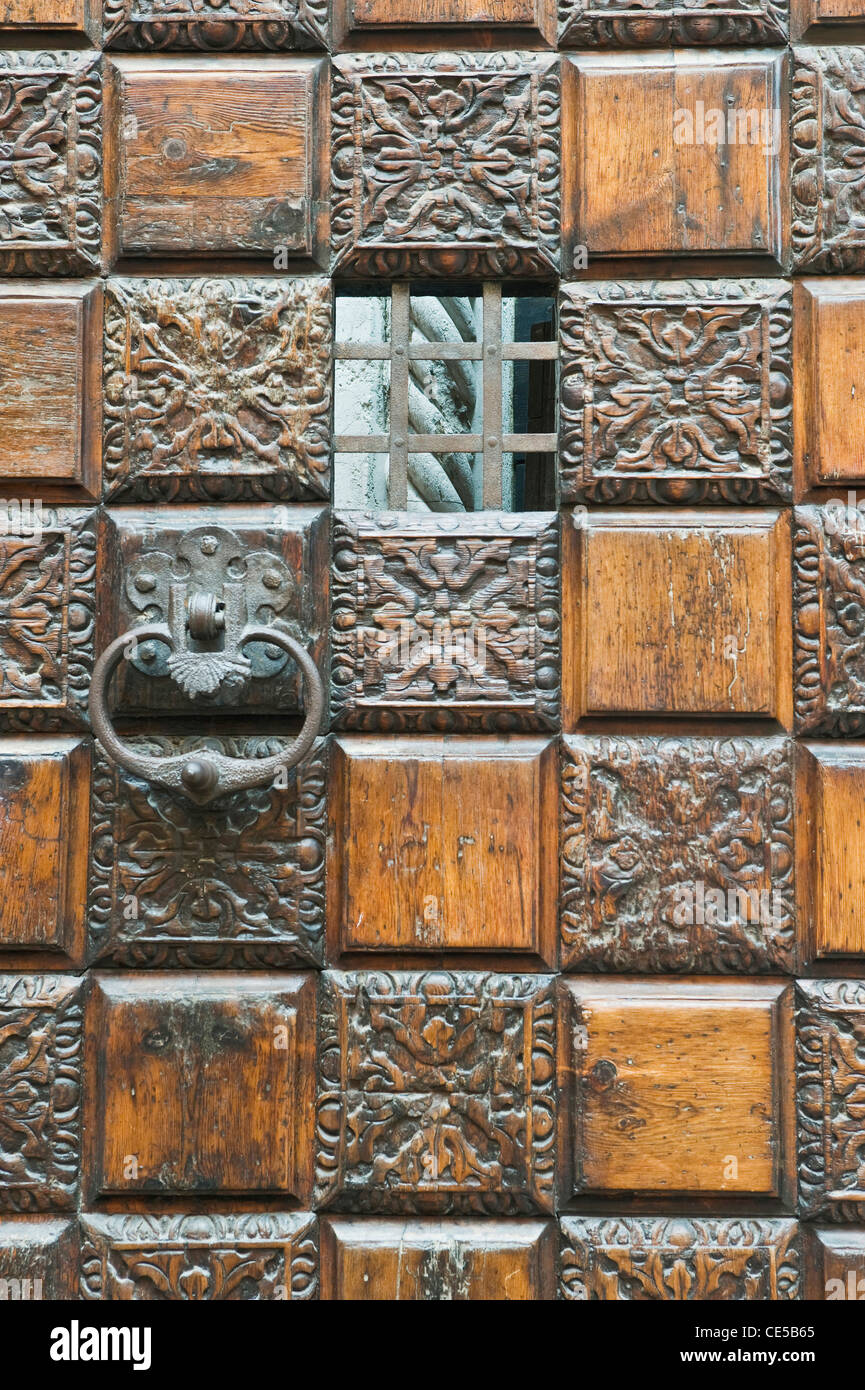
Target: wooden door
[432, 615]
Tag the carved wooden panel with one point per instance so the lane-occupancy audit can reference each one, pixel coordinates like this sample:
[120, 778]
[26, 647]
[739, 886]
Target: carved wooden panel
[38, 1260]
[437, 1093]
[40, 1091]
[688, 1259]
[44, 791]
[677, 854]
[505, 22]
[215, 24]
[677, 613]
[675, 187]
[211, 157]
[675, 391]
[828, 114]
[50, 348]
[829, 621]
[830, 1041]
[47, 606]
[365, 1259]
[617, 24]
[443, 844]
[831, 850]
[280, 553]
[836, 1269]
[238, 882]
[178, 1061]
[445, 164]
[676, 1087]
[814, 16]
[17, 17]
[444, 622]
[830, 382]
[217, 389]
[212, 1257]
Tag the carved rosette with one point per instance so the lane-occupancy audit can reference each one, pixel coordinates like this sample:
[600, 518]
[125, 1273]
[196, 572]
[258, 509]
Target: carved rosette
[675, 1258]
[51, 166]
[254, 1256]
[677, 391]
[828, 176]
[611, 24]
[830, 1065]
[437, 1093]
[445, 164]
[445, 624]
[215, 26]
[829, 620]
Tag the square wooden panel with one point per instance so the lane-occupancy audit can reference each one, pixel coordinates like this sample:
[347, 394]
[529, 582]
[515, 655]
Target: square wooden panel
[239, 882]
[828, 619]
[475, 140]
[51, 178]
[831, 849]
[814, 16]
[19, 17]
[443, 844]
[677, 391]
[44, 793]
[38, 1260]
[40, 1091]
[438, 1093]
[830, 1065]
[618, 24]
[676, 613]
[217, 390]
[828, 111]
[430, 1261]
[677, 185]
[281, 555]
[683, 1258]
[47, 611]
[677, 854]
[503, 23]
[830, 382]
[50, 351]
[208, 1257]
[216, 156]
[215, 24]
[445, 622]
[178, 1061]
[836, 1268]
[676, 1087]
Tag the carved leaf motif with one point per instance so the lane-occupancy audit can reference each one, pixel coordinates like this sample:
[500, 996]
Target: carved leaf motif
[215, 24]
[830, 1043]
[201, 673]
[829, 621]
[828, 167]
[615, 24]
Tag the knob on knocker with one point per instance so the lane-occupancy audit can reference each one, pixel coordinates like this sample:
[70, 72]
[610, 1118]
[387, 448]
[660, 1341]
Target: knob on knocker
[207, 774]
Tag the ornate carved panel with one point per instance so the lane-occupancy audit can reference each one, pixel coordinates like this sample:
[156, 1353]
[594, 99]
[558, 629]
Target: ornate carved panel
[699, 1259]
[617, 24]
[829, 619]
[830, 1043]
[246, 179]
[677, 854]
[437, 1093]
[38, 1260]
[445, 164]
[177, 1062]
[51, 171]
[212, 24]
[684, 613]
[44, 791]
[445, 622]
[280, 557]
[458, 1261]
[676, 391]
[239, 882]
[217, 389]
[675, 1087]
[40, 1091]
[828, 128]
[212, 1257]
[47, 604]
[654, 199]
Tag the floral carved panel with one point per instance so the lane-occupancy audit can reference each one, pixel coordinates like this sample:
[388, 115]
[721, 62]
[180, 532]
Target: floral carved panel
[445, 623]
[217, 390]
[828, 173]
[677, 391]
[437, 1093]
[218, 25]
[658, 23]
[829, 619]
[445, 164]
[830, 1064]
